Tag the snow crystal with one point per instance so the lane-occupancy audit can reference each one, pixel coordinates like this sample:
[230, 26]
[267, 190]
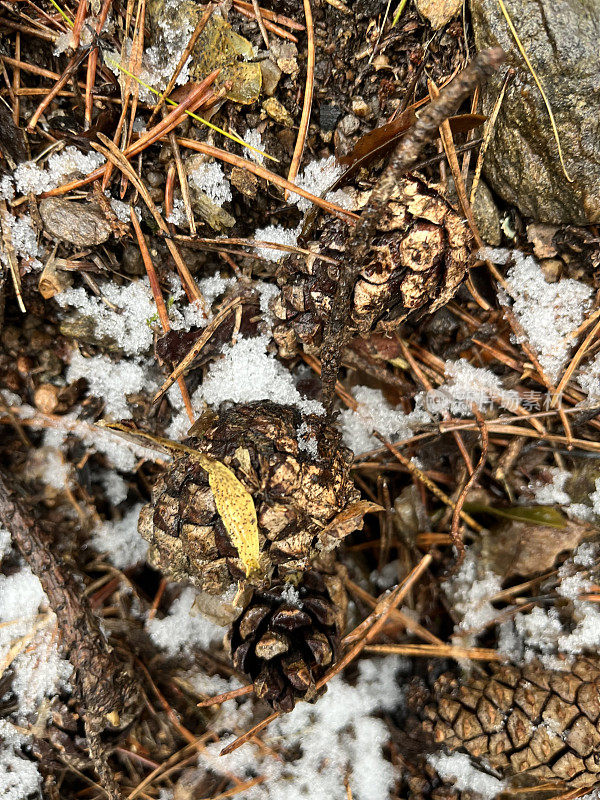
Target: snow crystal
[5, 542]
[178, 216]
[595, 498]
[214, 286]
[210, 179]
[548, 312]
[184, 627]
[307, 442]
[246, 373]
[253, 138]
[69, 162]
[38, 669]
[553, 493]
[539, 630]
[470, 591]
[290, 595]
[459, 769]
[277, 235]
[375, 413]
[464, 386]
[19, 777]
[130, 325]
[316, 178]
[115, 487]
[24, 240]
[7, 189]
[121, 540]
[586, 634]
[586, 554]
[339, 737]
[112, 381]
[589, 379]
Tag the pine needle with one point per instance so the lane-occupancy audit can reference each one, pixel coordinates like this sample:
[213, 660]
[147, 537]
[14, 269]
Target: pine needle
[398, 12]
[168, 100]
[63, 14]
[538, 84]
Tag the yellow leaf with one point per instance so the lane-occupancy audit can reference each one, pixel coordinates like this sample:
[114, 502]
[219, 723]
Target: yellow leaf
[236, 508]
[234, 503]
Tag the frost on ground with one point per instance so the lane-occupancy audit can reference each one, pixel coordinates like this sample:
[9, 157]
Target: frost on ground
[336, 737]
[458, 769]
[28, 642]
[547, 312]
[470, 592]
[248, 372]
[121, 541]
[23, 239]
[67, 163]
[467, 385]
[184, 627]
[19, 777]
[374, 413]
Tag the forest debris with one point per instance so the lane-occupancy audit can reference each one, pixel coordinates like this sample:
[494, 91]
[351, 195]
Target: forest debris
[81, 224]
[109, 696]
[526, 549]
[278, 112]
[439, 12]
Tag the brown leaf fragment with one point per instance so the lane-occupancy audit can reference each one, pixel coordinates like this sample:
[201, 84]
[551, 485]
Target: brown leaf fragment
[347, 521]
[520, 548]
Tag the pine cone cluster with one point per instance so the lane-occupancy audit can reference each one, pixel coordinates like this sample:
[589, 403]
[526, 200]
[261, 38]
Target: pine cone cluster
[530, 724]
[296, 470]
[289, 635]
[418, 262]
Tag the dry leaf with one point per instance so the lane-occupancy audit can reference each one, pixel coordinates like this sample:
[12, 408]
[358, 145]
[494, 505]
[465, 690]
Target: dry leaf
[236, 508]
[524, 549]
[347, 521]
[438, 12]
[234, 503]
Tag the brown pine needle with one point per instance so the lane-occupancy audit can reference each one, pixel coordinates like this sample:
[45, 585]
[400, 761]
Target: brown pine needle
[238, 161]
[272, 16]
[223, 698]
[575, 361]
[270, 26]
[308, 97]
[160, 303]
[435, 651]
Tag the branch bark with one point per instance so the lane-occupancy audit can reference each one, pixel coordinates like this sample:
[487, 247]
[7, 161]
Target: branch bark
[109, 697]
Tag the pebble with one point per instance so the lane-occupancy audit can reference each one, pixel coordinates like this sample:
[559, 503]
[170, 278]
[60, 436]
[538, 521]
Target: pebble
[270, 76]
[278, 112]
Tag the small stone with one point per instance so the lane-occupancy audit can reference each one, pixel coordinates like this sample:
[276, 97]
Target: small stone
[349, 125]
[81, 224]
[329, 115]
[45, 398]
[270, 76]
[541, 237]
[360, 108]
[278, 112]
[552, 269]
[244, 181]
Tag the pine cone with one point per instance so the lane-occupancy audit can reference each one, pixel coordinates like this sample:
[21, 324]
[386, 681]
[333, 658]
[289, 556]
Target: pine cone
[289, 635]
[296, 470]
[535, 723]
[417, 264]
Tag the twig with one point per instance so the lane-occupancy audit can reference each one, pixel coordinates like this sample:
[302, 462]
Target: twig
[308, 96]
[261, 24]
[110, 698]
[359, 243]
[454, 530]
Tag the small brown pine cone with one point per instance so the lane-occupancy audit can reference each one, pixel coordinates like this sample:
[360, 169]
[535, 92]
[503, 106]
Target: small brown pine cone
[289, 635]
[530, 724]
[298, 474]
[418, 262]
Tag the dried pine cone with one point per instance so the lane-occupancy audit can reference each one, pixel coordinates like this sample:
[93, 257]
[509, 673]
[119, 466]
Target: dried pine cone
[289, 635]
[417, 264]
[531, 724]
[296, 470]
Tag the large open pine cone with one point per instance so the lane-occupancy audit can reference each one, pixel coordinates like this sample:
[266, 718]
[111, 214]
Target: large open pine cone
[417, 264]
[289, 635]
[296, 470]
[531, 724]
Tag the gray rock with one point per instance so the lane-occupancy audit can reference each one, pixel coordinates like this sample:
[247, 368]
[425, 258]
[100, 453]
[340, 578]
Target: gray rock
[82, 224]
[522, 165]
